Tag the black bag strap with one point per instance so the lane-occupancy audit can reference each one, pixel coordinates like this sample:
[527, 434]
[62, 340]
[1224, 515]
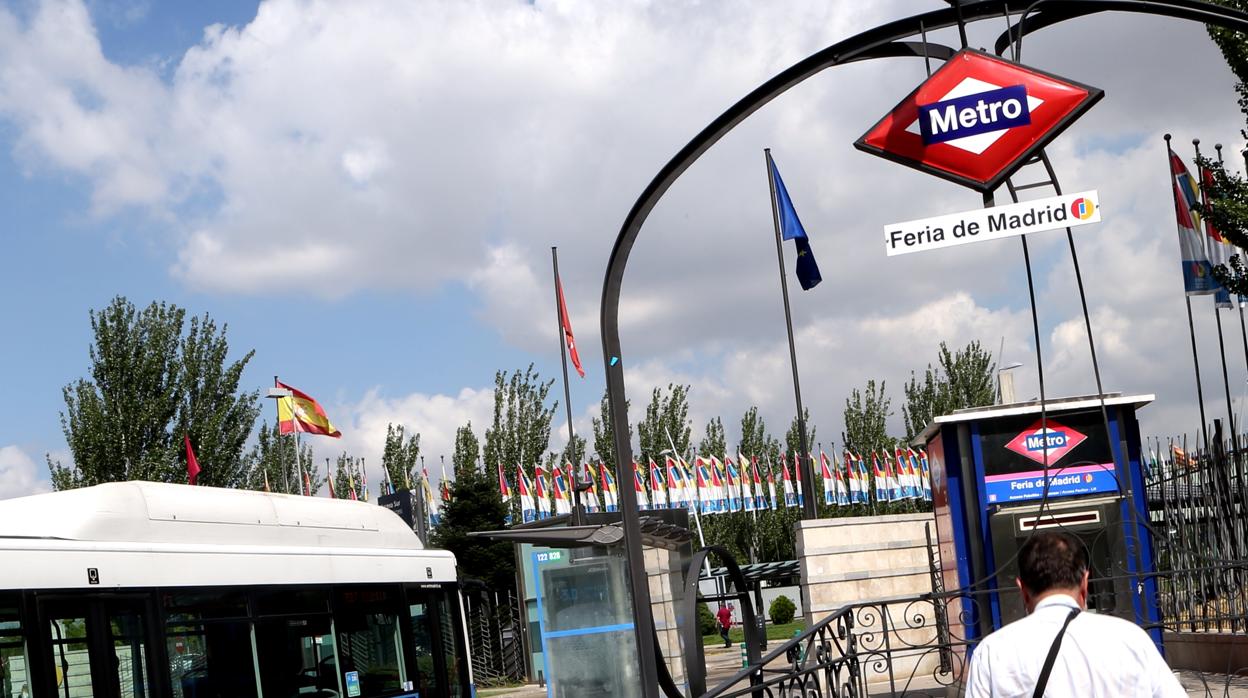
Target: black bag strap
[1043, 681]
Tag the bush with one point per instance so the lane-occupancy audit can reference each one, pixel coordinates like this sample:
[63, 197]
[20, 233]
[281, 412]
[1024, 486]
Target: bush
[706, 620]
[781, 610]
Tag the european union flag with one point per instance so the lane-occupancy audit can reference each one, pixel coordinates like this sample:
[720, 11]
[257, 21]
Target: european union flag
[791, 229]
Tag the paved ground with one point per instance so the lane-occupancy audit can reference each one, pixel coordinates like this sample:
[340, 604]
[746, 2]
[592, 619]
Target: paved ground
[722, 663]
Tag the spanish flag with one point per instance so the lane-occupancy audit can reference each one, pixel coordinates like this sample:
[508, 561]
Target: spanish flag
[300, 413]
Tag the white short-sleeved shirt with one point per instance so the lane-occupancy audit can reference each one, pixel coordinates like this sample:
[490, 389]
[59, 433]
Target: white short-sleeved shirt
[1100, 656]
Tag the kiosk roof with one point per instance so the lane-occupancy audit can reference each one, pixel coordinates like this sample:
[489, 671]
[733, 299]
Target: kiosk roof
[1077, 402]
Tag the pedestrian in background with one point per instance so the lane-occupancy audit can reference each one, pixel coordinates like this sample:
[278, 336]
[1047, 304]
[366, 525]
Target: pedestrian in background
[725, 622]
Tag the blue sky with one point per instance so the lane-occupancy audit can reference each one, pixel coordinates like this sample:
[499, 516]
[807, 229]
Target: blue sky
[367, 194]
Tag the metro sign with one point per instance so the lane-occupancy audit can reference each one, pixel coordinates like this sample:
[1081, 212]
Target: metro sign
[977, 119]
[1057, 439]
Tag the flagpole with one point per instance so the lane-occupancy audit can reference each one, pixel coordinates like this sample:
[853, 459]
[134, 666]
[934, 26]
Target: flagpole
[285, 474]
[808, 492]
[1191, 327]
[1226, 381]
[567, 391]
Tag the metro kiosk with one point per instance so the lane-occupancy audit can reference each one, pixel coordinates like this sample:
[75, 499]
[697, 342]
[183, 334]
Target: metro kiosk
[988, 496]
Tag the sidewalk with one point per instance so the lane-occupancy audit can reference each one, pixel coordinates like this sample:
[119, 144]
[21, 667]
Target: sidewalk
[721, 663]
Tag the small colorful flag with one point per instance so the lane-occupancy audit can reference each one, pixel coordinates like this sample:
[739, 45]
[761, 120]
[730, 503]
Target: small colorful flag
[643, 502]
[771, 487]
[504, 487]
[1197, 272]
[797, 479]
[790, 500]
[658, 486]
[610, 495]
[528, 510]
[192, 463]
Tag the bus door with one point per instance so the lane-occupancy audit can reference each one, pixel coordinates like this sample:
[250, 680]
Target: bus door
[96, 647]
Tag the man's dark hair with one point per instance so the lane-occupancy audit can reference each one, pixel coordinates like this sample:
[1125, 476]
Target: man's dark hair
[1052, 560]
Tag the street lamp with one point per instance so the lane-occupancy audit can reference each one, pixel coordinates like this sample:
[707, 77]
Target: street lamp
[1005, 383]
[278, 394]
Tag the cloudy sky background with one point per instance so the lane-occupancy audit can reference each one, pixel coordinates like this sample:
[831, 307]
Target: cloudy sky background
[367, 194]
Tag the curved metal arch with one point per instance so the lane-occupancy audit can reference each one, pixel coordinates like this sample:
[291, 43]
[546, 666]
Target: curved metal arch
[886, 40]
[692, 637]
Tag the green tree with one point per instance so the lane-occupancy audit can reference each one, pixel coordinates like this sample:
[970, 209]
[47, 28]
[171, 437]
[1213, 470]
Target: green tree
[273, 457]
[520, 431]
[346, 475]
[961, 379]
[604, 434]
[150, 385]
[866, 419]
[713, 443]
[667, 414]
[398, 458]
[476, 505]
[467, 454]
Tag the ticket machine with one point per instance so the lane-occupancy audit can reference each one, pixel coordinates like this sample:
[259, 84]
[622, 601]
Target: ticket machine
[1001, 473]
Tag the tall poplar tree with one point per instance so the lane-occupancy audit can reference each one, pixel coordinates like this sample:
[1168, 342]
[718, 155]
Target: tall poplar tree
[149, 386]
[399, 456]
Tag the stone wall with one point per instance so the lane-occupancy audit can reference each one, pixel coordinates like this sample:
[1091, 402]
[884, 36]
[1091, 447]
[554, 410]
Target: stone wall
[861, 558]
[872, 558]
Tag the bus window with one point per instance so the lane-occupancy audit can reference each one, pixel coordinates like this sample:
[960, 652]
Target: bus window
[129, 652]
[297, 658]
[71, 654]
[366, 624]
[452, 650]
[207, 649]
[14, 681]
[421, 634]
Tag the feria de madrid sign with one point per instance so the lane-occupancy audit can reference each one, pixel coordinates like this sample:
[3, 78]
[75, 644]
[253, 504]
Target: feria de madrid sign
[976, 121]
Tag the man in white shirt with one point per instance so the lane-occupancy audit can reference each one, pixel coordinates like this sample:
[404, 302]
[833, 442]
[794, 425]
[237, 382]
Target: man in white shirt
[1097, 656]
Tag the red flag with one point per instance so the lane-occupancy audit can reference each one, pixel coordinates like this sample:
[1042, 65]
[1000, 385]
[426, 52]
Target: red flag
[567, 330]
[192, 464]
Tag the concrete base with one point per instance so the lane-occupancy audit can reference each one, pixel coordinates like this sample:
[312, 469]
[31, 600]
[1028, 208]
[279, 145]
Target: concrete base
[871, 558]
[862, 558]
[1218, 653]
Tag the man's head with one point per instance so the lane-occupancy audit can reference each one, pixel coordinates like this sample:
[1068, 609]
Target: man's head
[1052, 562]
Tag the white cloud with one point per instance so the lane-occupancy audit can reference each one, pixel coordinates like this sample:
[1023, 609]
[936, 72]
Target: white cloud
[399, 145]
[19, 475]
[435, 417]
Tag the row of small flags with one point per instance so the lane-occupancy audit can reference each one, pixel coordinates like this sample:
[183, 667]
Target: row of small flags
[715, 486]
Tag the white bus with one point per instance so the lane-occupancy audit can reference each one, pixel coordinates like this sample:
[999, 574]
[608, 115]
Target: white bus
[148, 590]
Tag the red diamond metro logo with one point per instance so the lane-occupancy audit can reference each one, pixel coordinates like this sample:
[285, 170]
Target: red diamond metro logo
[977, 119]
[1057, 439]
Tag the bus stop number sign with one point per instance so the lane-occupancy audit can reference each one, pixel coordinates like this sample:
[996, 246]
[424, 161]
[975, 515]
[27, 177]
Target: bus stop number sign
[977, 119]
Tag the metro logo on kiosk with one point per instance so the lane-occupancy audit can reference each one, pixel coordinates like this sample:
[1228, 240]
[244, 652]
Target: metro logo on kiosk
[977, 119]
[1057, 439]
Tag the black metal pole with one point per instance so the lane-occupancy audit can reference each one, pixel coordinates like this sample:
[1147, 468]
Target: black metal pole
[1191, 327]
[808, 480]
[567, 392]
[1226, 381]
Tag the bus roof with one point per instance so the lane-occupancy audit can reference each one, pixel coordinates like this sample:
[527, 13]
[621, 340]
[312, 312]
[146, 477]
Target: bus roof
[153, 512]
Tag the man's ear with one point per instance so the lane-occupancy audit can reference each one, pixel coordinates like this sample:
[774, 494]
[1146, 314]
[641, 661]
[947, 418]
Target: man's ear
[1083, 588]
[1022, 589]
